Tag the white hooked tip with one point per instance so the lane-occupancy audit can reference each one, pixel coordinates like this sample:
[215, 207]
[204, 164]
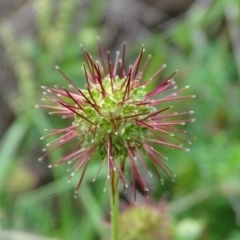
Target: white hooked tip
[193, 96]
[43, 87]
[36, 106]
[191, 112]
[40, 159]
[49, 166]
[57, 67]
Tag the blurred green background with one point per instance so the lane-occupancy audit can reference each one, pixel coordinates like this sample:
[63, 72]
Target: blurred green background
[200, 38]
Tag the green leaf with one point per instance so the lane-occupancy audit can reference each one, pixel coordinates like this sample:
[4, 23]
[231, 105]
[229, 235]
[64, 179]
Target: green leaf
[10, 143]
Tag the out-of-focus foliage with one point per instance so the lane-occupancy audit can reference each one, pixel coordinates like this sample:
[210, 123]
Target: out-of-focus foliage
[203, 44]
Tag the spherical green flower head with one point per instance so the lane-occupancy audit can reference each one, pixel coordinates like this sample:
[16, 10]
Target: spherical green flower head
[114, 117]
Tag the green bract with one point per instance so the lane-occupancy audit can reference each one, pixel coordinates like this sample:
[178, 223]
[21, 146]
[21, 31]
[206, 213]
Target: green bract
[115, 116]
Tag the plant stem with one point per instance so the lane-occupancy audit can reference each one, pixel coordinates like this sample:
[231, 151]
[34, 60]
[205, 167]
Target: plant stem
[114, 206]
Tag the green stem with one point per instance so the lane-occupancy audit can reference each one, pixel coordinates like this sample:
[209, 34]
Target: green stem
[114, 207]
